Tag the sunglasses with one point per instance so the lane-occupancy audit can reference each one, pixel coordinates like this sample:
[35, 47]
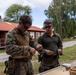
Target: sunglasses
[47, 27]
[48, 23]
[26, 27]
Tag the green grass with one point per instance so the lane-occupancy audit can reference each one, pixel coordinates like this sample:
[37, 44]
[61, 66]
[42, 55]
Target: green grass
[68, 39]
[2, 69]
[69, 54]
[36, 67]
[1, 64]
[34, 57]
[2, 50]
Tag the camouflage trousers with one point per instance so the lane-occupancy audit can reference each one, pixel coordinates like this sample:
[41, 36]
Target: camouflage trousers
[48, 63]
[23, 68]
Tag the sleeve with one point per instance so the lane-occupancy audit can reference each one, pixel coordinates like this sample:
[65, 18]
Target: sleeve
[59, 43]
[39, 41]
[13, 49]
[31, 43]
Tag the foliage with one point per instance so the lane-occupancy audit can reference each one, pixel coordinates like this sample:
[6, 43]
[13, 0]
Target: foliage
[63, 11]
[13, 13]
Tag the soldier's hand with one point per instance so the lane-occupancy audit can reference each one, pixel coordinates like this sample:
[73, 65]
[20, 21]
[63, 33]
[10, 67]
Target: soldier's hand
[39, 47]
[59, 51]
[32, 50]
[48, 52]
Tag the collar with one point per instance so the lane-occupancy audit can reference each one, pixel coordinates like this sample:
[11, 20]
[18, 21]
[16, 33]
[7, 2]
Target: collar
[53, 34]
[19, 32]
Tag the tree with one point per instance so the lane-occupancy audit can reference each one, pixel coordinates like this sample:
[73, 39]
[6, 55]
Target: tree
[66, 12]
[13, 13]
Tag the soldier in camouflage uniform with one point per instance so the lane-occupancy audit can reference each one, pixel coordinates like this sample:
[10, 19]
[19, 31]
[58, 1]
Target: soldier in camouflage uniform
[18, 47]
[49, 45]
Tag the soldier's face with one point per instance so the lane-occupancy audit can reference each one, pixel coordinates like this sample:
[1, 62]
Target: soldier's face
[48, 27]
[26, 26]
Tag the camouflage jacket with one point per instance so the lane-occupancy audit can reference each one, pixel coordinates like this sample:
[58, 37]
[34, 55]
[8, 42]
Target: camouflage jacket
[17, 44]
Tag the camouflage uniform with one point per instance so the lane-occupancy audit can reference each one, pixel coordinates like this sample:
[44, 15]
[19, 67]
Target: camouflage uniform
[49, 43]
[17, 45]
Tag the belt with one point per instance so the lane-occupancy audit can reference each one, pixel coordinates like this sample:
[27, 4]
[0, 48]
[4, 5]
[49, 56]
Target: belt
[50, 56]
[22, 60]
